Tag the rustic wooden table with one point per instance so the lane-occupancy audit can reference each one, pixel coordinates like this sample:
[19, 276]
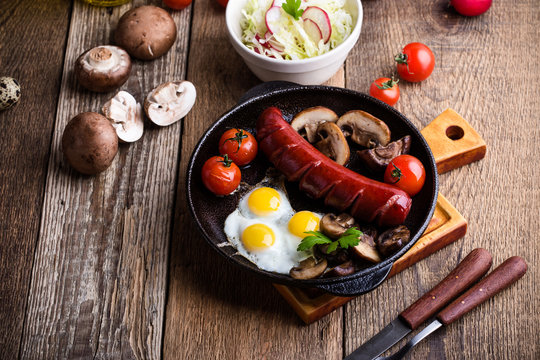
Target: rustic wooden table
[112, 266]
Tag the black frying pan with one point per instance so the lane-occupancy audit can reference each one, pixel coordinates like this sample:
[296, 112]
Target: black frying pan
[210, 212]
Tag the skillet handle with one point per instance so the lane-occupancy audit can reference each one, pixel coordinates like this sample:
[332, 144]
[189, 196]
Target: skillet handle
[264, 88]
[359, 285]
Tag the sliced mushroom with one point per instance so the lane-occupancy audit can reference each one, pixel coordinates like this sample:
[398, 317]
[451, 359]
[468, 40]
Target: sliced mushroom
[308, 120]
[333, 143]
[125, 115]
[170, 102]
[309, 269]
[366, 248]
[334, 226]
[364, 129]
[377, 159]
[346, 268]
[103, 68]
[390, 241]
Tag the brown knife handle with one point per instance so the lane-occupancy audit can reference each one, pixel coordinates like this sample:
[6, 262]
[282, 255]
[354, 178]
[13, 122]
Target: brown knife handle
[469, 270]
[499, 279]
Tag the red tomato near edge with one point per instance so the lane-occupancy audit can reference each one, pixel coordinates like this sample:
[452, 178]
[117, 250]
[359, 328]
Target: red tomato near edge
[220, 175]
[239, 145]
[177, 4]
[385, 89]
[415, 62]
[407, 173]
[223, 3]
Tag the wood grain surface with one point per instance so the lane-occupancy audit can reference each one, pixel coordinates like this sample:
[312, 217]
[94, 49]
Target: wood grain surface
[112, 266]
[25, 137]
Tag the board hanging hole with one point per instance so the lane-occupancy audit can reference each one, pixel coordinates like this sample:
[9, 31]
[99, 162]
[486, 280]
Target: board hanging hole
[454, 132]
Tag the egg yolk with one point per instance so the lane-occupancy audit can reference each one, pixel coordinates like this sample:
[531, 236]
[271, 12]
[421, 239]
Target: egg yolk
[258, 237]
[303, 221]
[264, 201]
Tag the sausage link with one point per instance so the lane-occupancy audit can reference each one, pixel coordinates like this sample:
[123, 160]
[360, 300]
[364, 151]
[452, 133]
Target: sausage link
[319, 176]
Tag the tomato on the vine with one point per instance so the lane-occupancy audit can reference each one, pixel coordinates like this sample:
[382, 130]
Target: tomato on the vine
[177, 4]
[220, 175]
[239, 145]
[385, 89]
[223, 2]
[407, 173]
[415, 62]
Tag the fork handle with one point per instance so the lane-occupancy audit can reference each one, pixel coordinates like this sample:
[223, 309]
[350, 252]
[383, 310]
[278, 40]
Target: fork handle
[499, 279]
[469, 270]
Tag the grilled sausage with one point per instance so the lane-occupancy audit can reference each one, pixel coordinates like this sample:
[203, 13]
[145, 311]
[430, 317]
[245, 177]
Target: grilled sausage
[319, 176]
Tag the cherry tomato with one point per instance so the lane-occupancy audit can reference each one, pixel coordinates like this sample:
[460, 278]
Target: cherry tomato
[471, 7]
[220, 175]
[386, 90]
[223, 3]
[240, 145]
[415, 62]
[177, 4]
[407, 173]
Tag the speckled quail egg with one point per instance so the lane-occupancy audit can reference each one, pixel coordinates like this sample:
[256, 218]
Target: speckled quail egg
[10, 92]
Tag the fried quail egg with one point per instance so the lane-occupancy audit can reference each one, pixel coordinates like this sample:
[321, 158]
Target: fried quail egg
[266, 230]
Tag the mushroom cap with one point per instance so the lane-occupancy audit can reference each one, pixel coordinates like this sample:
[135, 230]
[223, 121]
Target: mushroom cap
[334, 226]
[378, 158]
[170, 102]
[333, 143]
[146, 32]
[125, 115]
[103, 68]
[390, 241]
[308, 120]
[10, 92]
[89, 143]
[364, 129]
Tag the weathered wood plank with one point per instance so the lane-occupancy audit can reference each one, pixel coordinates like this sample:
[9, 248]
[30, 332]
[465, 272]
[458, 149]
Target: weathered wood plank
[482, 72]
[214, 310]
[99, 277]
[30, 31]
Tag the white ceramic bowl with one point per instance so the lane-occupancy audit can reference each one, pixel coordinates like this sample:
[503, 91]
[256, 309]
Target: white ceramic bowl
[312, 71]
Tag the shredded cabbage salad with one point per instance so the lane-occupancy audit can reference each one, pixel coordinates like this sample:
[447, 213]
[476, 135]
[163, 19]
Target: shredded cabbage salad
[288, 38]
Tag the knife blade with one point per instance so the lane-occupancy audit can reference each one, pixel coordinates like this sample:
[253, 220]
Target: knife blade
[499, 279]
[468, 271]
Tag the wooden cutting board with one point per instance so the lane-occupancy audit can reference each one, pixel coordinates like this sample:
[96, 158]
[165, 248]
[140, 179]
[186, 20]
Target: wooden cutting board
[454, 143]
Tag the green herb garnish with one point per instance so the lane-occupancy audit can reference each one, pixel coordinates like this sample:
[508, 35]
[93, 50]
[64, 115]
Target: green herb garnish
[292, 8]
[351, 237]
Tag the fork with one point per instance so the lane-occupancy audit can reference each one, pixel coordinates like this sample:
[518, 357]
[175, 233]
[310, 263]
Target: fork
[503, 276]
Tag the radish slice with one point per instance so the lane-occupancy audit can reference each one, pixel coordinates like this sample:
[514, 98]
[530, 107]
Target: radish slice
[312, 30]
[272, 18]
[274, 44]
[260, 40]
[278, 2]
[321, 19]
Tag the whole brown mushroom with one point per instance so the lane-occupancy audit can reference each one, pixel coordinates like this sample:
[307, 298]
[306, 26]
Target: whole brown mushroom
[89, 143]
[103, 68]
[146, 32]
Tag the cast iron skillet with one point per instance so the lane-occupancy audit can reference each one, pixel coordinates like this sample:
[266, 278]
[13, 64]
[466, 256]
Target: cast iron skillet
[210, 211]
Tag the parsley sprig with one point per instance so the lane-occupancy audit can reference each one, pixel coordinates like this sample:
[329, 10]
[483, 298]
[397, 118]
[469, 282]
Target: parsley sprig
[350, 238]
[292, 7]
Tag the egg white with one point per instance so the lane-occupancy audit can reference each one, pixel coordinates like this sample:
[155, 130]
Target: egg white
[282, 255]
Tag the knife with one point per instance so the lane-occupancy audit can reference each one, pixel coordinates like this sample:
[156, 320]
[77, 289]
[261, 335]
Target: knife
[503, 276]
[471, 269]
